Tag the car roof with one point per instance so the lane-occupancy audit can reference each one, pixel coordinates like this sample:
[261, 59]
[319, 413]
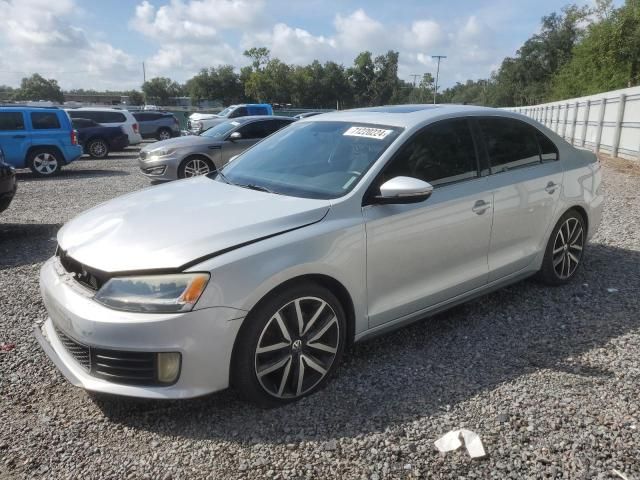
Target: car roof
[12, 108]
[97, 109]
[403, 115]
[249, 118]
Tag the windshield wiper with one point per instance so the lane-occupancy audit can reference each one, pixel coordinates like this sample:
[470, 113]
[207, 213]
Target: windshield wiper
[259, 188]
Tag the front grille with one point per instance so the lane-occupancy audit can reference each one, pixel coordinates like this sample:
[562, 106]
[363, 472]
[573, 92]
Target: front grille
[84, 275]
[81, 353]
[131, 368]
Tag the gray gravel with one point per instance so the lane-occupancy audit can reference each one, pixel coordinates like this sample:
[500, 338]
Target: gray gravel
[549, 378]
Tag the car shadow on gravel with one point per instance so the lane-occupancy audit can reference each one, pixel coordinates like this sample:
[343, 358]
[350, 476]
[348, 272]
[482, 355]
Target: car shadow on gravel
[424, 369]
[71, 173]
[26, 243]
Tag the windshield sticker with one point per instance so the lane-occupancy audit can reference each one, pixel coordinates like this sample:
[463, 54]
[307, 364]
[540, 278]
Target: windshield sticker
[367, 132]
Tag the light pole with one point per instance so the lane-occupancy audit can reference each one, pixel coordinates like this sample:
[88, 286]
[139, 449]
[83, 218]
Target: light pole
[435, 91]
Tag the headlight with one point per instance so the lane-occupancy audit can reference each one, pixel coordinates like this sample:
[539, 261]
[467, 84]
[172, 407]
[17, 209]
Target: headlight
[154, 293]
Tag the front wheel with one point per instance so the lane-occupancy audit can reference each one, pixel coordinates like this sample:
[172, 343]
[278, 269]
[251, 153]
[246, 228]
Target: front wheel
[44, 162]
[194, 167]
[289, 345]
[565, 249]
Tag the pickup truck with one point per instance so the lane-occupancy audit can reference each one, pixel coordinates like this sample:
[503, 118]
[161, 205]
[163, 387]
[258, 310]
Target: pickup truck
[199, 122]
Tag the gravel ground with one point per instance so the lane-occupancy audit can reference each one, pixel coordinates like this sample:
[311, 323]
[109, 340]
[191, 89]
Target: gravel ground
[548, 377]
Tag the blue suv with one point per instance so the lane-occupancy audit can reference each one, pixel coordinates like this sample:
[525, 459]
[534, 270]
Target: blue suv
[40, 138]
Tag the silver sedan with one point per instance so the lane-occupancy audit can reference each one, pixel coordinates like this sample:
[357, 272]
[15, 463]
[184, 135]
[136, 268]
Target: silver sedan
[194, 155]
[333, 230]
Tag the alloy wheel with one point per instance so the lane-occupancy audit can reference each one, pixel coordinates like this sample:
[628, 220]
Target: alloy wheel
[297, 347]
[98, 148]
[567, 248]
[164, 135]
[196, 167]
[45, 163]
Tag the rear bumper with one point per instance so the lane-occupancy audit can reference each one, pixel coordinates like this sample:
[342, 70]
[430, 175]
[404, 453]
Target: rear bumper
[134, 138]
[72, 153]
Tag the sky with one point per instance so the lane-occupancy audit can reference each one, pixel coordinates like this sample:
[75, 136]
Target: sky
[101, 44]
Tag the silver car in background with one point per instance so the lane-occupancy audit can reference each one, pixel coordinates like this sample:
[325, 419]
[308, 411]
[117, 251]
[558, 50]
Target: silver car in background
[335, 229]
[193, 155]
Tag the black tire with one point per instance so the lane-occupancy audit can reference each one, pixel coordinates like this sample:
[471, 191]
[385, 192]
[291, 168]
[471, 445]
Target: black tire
[562, 260]
[184, 170]
[98, 148]
[258, 329]
[163, 134]
[45, 162]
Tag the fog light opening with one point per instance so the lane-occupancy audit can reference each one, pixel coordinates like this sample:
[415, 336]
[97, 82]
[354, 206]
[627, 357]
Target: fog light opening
[168, 367]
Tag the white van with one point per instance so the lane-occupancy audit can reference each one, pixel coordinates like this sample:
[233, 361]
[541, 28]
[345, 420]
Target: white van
[111, 117]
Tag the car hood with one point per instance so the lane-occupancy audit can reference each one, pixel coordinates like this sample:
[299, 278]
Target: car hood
[178, 142]
[201, 116]
[169, 226]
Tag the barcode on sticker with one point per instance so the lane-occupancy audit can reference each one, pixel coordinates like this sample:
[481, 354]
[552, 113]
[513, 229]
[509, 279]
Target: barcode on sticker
[367, 132]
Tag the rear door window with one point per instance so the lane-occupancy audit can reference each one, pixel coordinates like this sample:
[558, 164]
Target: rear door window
[275, 125]
[510, 143]
[11, 121]
[99, 116]
[254, 130]
[548, 149]
[44, 120]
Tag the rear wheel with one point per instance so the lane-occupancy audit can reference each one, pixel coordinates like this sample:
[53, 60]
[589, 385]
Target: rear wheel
[98, 148]
[195, 166]
[44, 162]
[565, 249]
[289, 345]
[164, 134]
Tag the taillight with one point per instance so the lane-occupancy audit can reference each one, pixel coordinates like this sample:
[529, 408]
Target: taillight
[135, 128]
[74, 137]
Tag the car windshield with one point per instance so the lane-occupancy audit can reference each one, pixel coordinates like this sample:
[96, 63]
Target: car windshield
[221, 130]
[225, 112]
[311, 159]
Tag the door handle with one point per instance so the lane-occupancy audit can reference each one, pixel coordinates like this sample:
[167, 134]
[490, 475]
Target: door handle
[19, 136]
[480, 207]
[551, 187]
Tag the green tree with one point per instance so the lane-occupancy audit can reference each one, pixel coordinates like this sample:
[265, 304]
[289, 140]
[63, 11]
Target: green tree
[160, 89]
[135, 97]
[259, 56]
[36, 87]
[385, 82]
[607, 58]
[216, 83]
[361, 78]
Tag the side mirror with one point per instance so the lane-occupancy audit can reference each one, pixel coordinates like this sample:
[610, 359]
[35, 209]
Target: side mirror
[403, 190]
[235, 136]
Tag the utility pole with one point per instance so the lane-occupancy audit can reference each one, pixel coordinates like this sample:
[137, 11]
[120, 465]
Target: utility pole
[435, 91]
[415, 77]
[144, 74]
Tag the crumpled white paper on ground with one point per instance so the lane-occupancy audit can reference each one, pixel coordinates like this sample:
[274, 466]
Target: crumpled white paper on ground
[456, 438]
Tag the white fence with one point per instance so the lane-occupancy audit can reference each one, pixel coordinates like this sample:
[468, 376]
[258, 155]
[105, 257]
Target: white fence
[606, 122]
